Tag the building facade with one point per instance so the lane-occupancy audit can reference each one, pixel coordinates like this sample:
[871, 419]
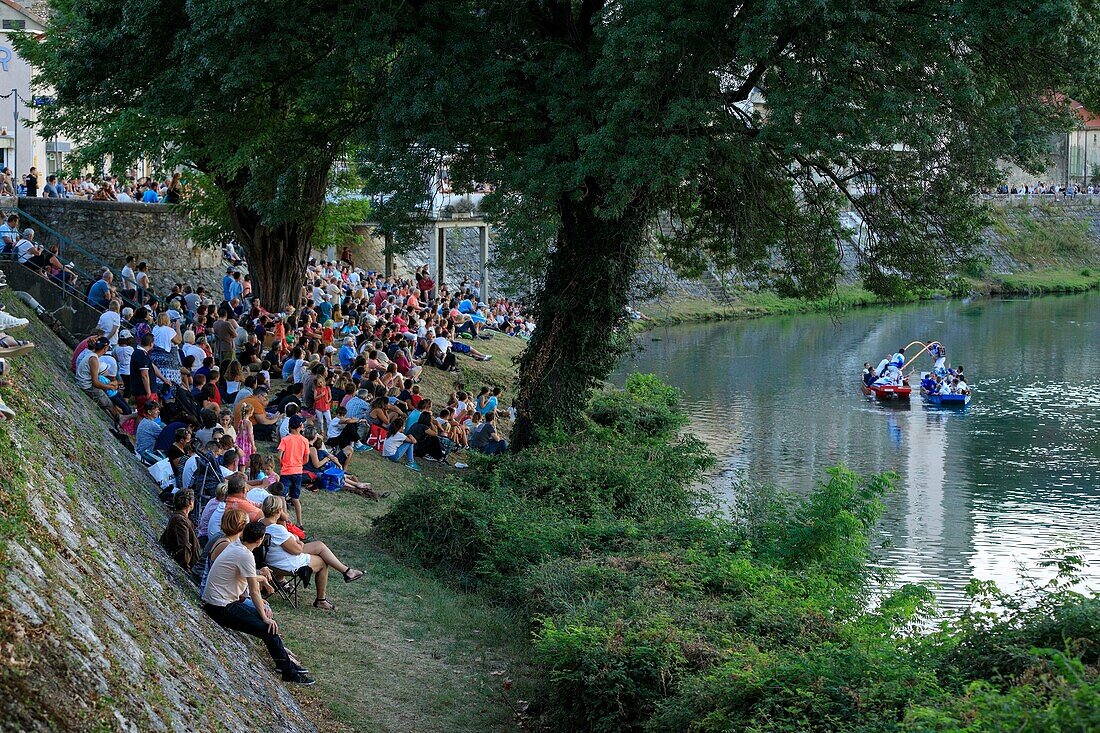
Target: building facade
[20, 145]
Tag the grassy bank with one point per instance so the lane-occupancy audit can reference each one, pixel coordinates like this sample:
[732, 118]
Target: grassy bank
[749, 305]
[1045, 281]
[1041, 281]
[407, 651]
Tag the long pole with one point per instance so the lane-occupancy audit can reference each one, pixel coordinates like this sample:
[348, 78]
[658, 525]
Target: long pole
[15, 162]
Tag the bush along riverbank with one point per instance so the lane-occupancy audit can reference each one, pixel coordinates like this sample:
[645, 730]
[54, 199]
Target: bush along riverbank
[650, 611]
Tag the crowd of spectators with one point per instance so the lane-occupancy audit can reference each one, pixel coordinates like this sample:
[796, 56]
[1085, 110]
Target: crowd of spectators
[239, 409]
[130, 188]
[1054, 190]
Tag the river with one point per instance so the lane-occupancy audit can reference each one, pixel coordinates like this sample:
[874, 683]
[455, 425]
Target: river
[983, 492]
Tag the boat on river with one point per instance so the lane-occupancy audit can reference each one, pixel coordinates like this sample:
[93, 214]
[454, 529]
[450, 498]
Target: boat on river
[945, 400]
[888, 392]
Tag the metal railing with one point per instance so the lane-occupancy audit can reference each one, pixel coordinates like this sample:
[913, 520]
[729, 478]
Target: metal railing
[68, 251]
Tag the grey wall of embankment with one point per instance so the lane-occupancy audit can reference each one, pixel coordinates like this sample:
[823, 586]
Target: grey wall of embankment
[99, 630]
[155, 233]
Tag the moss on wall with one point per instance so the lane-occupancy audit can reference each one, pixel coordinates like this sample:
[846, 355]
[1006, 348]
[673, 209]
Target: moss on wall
[99, 631]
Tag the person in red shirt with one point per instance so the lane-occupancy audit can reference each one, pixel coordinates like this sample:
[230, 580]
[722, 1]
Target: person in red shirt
[293, 454]
[322, 404]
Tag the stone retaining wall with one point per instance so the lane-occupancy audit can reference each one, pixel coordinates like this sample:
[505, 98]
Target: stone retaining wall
[110, 230]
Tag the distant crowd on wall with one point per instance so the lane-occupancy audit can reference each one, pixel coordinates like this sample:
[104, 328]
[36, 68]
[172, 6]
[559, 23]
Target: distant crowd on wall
[130, 188]
[1048, 189]
[238, 409]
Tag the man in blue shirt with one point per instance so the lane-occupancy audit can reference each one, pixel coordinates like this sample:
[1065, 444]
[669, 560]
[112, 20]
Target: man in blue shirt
[150, 195]
[358, 408]
[226, 282]
[9, 233]
[466, 306]
[100, 293]
[236, 289]
[347, 353]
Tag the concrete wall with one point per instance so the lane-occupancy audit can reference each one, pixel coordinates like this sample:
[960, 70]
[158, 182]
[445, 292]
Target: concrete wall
[154, 233]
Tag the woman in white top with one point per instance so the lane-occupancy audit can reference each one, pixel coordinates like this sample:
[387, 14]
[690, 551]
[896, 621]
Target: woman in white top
[166, 334]
[304, 559]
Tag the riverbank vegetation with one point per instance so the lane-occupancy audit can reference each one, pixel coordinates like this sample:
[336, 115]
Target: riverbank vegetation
[756, 304]
[648, 610]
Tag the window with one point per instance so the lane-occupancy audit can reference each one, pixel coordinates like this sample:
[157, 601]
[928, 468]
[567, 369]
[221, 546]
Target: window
[15, 25]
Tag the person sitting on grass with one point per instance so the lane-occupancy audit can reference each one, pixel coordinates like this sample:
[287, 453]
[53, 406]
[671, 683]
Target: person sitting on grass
[304, 559]
[486, 439]
[217, 504]
[179, 537]
[87, 375]
[426, 436]
[399, 445]
[463, 348]
[452, 429]
[231, 582]
[343, 430]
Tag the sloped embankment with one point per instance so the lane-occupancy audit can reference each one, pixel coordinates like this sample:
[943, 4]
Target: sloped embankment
[99, 631]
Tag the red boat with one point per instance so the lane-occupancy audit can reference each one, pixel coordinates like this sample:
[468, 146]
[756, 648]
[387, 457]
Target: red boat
[888, 392]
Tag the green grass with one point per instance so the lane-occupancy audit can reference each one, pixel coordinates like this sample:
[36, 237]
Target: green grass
[405, 651]
[1043, 281]
[750, 304]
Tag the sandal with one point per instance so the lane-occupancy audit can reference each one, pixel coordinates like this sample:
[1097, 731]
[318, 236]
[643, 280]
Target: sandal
[324, 604]
[14, 347]
[351, 575]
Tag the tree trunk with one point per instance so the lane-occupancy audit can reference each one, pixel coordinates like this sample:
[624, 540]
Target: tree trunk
[577, 313]
[277, 258]
[277, 254]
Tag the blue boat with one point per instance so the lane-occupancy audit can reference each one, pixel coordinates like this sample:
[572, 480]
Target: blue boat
[946, 400]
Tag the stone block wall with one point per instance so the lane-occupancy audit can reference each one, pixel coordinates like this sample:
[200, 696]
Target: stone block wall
[109, 230]
[99, 628]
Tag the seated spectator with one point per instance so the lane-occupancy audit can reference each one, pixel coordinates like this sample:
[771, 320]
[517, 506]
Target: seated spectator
[218, 502]
[101, 291]
[291, 555]
[232, 597]
[148, 430]
[486, 440]
[399, 445]
[179, 537]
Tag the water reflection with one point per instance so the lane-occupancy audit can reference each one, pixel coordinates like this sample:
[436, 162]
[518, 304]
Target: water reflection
[982, 491]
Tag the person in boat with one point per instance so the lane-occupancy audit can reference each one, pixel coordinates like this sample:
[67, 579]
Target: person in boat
[939, 353]
[869, 374]
[961, 387]
[893, 367]
[928, 383]
[945, 387]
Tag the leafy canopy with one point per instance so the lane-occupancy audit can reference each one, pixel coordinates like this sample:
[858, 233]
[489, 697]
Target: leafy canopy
[651, 110]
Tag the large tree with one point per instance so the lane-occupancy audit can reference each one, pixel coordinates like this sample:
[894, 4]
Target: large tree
[737, 132]
[260, 96]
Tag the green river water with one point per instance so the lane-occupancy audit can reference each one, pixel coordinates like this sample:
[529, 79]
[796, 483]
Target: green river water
[983, 491]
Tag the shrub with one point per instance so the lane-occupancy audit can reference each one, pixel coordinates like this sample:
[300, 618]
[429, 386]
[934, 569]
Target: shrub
[649, 615]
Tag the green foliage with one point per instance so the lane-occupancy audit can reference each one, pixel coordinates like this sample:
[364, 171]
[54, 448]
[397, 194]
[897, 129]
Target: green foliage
[647, 407]
[649, 614]
[263, 120]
